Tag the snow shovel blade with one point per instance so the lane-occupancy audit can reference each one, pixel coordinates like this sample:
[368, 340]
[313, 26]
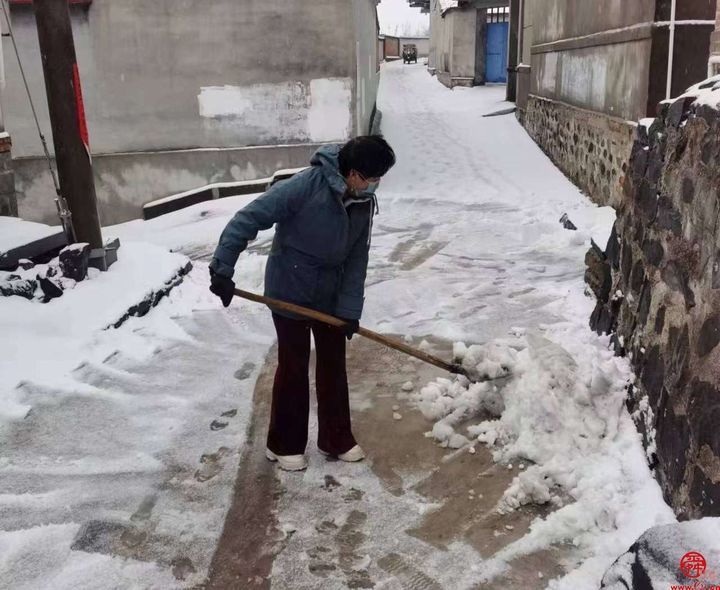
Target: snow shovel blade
[453, 368]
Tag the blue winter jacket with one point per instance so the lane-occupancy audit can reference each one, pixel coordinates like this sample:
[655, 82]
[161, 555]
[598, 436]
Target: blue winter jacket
[319, 255]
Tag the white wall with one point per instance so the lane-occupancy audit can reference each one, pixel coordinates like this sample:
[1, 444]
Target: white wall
[368, 77]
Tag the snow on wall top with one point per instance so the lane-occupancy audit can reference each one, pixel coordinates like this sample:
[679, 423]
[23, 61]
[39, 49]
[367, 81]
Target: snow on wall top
[446, 5]
[706, 93]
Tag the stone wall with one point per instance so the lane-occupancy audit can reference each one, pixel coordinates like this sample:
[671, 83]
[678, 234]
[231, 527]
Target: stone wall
[592, 149]
[658, 288]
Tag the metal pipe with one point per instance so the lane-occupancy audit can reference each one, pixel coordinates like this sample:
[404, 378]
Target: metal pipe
[671, 51]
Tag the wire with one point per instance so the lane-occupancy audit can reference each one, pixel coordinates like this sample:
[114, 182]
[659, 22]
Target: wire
[61, 204]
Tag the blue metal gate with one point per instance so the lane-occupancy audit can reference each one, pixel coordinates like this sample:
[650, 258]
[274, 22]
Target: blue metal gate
[496, 52]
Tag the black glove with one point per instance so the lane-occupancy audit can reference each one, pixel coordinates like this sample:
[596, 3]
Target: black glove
[351, 328]
[223, 287]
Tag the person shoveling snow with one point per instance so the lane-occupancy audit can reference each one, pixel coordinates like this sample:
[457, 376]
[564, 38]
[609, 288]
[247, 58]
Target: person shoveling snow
[318, 260]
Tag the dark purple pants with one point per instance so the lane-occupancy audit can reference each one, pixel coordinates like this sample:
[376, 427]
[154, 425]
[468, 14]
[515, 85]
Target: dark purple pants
[291, 391]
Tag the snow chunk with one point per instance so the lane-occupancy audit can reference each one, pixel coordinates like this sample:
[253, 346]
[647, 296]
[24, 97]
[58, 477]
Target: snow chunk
[486, 361]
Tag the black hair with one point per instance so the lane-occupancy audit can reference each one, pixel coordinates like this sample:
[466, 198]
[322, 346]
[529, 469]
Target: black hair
[370, 155]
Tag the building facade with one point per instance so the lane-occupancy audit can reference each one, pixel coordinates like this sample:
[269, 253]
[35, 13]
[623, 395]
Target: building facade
[592, 69]
[468, 40]
[215, 92]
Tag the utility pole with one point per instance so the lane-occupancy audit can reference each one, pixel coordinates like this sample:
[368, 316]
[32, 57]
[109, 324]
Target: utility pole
[67, 120]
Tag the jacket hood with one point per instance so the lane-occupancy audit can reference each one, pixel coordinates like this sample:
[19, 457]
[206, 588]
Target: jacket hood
[326, 158]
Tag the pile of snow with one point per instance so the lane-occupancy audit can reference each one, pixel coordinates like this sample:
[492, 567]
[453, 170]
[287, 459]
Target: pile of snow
[16, 232]
[45, 342]
[484, 362]
[561, 412]
[120, 445]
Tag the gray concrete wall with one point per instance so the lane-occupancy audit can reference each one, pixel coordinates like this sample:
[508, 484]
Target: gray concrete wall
[563, 19]
[368, 76]
[452, 45]
[214, 74]
[184, 74]
[528, 31]
[610, 79]
[125, 182]
[462, 63]
[8, 199]
[607, 72]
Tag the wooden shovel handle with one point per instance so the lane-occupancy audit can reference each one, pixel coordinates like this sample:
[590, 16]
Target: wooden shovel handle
[337, 322]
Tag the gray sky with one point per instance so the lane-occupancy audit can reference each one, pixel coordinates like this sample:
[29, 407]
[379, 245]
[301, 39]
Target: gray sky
[398, 14]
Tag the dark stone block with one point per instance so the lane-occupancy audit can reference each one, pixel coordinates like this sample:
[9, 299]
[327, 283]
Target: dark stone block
[660, 320]
[672, 436]
[653, 375]
[74, 261]
[639, 231]
[626, 261]
[706, 112]
[639, 160]
[566, 223]
[49, 289]
[618, 347]
[21, 288]
[709, 336]
[688, 190]
[637, 278]
[598, 274]
[662, 112]
[676, 277]
[644, 305]
[679, 110]
[654, 168]
[704, 495]
[647, 201]
[654, 252]
[26, 264]
[612, 250]
[605, 321]
[704, 413]
[679, 357]
[668, 217]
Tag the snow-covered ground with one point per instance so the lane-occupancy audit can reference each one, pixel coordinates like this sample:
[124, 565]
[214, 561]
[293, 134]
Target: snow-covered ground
[479, 203]
[113, 426]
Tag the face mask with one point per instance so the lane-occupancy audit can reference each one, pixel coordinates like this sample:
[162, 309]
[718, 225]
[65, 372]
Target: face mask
[372, 187]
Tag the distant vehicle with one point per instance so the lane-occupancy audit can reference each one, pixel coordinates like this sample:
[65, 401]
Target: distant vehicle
[409, 53]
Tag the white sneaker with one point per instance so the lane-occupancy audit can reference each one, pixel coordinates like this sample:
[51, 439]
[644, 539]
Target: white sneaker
[287, 462]
[353, 455]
